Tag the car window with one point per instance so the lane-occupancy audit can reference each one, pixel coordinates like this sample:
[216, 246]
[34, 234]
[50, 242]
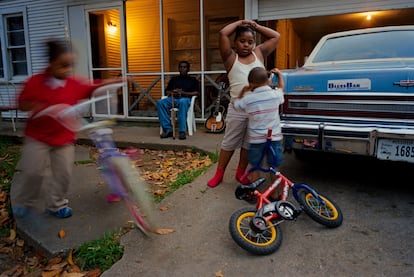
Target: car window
[381, 45]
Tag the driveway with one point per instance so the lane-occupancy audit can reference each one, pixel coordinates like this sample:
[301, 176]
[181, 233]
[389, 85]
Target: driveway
[376, 238]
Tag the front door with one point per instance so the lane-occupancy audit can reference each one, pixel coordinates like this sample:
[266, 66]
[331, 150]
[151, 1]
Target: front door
[107, 56]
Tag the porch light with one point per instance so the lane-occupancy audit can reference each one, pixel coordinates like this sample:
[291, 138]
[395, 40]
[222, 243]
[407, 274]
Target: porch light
[111, 27]
[368, 16]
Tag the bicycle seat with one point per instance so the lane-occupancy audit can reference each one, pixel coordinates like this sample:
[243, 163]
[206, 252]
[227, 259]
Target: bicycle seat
[254, 184]
[245, 192]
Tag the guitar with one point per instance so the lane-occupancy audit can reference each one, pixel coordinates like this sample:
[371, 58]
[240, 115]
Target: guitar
[215, 122]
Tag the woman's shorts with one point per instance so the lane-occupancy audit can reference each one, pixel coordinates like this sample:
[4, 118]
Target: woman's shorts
[235, 135]
[256, 152]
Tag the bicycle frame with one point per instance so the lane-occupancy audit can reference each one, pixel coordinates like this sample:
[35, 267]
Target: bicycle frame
[102, 139]
[257, 229]
[263, 198]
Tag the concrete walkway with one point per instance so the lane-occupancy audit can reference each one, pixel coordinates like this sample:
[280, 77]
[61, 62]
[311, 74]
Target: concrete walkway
[92, 215]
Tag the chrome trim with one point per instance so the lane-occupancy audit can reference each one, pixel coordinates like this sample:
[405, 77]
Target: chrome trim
[404, 83]
[303, 88]
[319, 118]
[406, 107]
[347, 94]
[360, 128]
[361, 139]
[310, 65]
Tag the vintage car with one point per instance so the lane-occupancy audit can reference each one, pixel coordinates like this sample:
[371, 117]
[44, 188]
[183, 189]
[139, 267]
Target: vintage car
[354, 95]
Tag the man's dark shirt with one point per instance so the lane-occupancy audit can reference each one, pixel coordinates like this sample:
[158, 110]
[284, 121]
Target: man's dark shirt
[186, 83]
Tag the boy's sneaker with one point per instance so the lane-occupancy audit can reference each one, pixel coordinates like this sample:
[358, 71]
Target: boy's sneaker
[113, 197]
[20, 212]
[61, 213]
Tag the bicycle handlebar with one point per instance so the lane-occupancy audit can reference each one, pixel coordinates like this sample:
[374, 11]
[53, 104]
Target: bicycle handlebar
[70, 115]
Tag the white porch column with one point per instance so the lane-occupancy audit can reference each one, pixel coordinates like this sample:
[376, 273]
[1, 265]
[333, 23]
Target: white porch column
[251, 8]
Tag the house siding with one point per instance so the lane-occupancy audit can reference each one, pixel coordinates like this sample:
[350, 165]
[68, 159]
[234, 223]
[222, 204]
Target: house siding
[41, 29]
[45, 19]
[43, 24]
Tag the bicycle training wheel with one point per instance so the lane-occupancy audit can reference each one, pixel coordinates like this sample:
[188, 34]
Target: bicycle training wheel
[257, 242]
[137, 200]
[328, 214]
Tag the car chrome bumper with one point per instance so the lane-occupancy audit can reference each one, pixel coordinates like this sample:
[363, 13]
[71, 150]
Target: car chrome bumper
[349, 138]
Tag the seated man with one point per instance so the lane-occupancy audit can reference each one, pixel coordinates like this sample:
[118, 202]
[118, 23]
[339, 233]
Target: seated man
[182, 87]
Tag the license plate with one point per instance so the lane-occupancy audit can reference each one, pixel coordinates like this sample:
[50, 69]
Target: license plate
[395, 150]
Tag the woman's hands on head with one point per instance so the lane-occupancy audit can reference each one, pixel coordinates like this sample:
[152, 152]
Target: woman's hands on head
[249, 23]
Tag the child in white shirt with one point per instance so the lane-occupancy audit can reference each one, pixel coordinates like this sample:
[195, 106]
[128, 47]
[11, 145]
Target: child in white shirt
[261, 103]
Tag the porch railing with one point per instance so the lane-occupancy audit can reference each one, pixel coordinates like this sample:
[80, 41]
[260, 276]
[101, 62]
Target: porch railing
[141, 97]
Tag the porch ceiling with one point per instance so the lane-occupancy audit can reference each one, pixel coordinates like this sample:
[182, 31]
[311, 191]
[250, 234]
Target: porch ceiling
[313, 28]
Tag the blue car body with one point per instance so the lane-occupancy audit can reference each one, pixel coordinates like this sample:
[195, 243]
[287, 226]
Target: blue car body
[354, 95]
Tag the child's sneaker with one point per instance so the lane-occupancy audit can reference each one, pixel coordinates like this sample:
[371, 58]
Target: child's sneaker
[113, 197]
[61, 213]
[20, 212]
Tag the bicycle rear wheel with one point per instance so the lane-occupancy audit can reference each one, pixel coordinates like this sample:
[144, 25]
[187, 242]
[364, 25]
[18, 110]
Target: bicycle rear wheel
[137, 199]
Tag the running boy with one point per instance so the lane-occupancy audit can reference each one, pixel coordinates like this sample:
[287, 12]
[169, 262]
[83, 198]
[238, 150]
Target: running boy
[261, 103]
[47, 141]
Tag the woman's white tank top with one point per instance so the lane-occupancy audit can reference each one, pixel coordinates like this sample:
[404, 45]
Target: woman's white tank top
[238, 74]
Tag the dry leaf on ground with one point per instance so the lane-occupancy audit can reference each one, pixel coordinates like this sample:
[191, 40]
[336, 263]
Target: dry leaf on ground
[15, 271]
[3, 196]
[72, 274]
[62, 233]
[12, 235]
[219, 274]
[163, 170]
[161, 231]
[70, 258]
[93, 273]
[52, 273]
[53, 261]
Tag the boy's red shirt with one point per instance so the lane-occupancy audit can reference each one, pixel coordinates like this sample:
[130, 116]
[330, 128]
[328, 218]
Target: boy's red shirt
[45, 128]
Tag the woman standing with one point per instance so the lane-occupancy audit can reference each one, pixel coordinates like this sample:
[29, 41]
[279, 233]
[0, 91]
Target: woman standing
[238, 62]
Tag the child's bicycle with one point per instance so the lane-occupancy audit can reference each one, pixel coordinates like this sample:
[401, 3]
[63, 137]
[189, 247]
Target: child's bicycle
[115, 166]
[257, 229]
[121, 178]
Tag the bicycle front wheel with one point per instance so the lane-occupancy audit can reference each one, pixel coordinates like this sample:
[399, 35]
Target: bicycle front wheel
[259, 243]
[328, 213]
[137, 199]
